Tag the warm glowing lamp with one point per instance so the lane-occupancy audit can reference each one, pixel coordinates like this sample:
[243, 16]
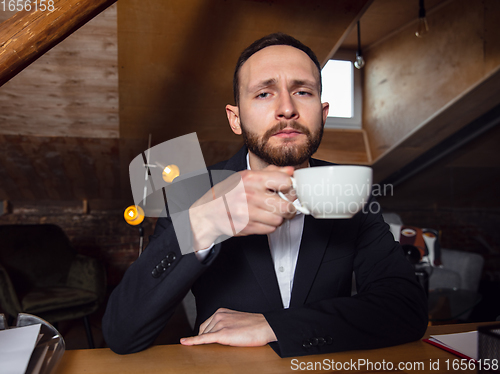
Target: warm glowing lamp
[134, 215]
[170, 172]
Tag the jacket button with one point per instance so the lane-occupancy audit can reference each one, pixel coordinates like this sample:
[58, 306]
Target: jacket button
[155, 273]
[314, 342]
[321, 341]
[159, 268]
[165, 263]
[328, 340]
[171, 257]
[306, 344]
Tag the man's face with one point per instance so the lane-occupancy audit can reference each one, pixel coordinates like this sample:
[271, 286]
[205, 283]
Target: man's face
[280, 113]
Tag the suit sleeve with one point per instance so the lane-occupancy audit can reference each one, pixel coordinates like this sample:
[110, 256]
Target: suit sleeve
[140, 306]
[389, 309]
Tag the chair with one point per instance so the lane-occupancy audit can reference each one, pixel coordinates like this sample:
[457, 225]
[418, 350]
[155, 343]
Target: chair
[41, 274]
[461, 270]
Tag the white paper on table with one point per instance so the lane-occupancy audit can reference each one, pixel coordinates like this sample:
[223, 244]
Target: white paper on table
[464, 342]
[16, 346]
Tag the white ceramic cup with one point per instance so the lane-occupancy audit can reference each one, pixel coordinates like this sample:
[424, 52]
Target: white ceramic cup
[337, 191]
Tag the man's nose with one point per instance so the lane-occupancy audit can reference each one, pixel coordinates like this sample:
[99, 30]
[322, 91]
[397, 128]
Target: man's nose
[286, 107]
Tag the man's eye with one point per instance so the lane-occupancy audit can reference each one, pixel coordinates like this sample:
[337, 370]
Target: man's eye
[303, 93]
[263, 95]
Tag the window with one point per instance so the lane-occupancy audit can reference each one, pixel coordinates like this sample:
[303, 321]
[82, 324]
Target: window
[342, 89]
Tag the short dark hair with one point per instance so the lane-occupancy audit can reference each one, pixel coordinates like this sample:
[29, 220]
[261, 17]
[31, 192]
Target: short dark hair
[278, 38]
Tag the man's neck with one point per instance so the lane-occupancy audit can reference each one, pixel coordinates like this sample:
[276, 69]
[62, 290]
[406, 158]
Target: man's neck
[256, 163]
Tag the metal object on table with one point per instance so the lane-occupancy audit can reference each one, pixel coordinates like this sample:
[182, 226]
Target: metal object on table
[488, 348]
[49, 349]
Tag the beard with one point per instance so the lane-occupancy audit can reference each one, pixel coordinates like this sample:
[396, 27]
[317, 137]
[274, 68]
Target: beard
[287, 153]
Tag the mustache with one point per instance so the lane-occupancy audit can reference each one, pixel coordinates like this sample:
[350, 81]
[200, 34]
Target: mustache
[283, 125]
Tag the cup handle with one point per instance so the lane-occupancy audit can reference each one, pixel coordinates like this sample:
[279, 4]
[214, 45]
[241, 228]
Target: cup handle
[300, 208]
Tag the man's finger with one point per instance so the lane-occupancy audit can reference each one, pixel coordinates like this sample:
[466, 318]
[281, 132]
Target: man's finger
[200, 339]
[204, 327]
[286, 169]
[209, 327]
[277, 181]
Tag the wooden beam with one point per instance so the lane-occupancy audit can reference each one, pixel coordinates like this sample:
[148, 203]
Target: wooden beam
[27, 35]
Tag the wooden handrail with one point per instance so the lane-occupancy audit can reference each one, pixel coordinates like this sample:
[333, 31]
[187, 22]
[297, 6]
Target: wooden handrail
[27, 35]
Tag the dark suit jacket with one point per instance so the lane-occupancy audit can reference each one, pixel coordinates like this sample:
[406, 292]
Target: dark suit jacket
[390, 307]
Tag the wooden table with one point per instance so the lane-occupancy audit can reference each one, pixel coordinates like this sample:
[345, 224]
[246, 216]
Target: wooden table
[217, 359]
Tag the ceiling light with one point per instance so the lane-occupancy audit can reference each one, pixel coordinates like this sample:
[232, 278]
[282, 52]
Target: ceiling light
[423, 27]
[360, 62]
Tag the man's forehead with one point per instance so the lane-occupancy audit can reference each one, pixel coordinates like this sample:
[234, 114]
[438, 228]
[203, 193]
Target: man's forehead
[277, 58]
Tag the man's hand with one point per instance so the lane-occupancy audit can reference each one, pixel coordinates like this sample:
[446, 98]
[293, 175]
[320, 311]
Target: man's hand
[230, 327]
[255, 209]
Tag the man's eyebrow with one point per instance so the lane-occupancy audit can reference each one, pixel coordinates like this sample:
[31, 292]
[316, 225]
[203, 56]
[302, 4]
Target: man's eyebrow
[273, 81]
[304, 82]
[262, 84]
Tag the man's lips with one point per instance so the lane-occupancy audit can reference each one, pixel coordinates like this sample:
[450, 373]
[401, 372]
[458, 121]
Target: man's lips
[287, 133]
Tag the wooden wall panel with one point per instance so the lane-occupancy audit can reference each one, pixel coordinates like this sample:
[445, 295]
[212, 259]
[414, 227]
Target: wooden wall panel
[344, 147]
[463, 110]
[72, 90]
[492, 34]
[408, 79]
[177, 57]
[384, 17]
[59, 168]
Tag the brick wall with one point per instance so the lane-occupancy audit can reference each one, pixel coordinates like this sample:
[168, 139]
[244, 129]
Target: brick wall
[101, 234]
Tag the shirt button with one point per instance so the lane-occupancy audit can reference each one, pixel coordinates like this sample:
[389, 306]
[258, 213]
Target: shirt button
[281, 269]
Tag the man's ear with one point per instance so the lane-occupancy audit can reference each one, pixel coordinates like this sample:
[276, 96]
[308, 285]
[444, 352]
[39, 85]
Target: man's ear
[233, 116]
[326, 108]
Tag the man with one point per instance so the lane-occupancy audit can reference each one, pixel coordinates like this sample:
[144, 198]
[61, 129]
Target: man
[286, 278]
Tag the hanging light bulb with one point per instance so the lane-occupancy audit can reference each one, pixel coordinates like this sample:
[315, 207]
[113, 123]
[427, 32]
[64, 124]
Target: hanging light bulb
[170, 172]
[359, 62]
[134, 215]
[423, 27]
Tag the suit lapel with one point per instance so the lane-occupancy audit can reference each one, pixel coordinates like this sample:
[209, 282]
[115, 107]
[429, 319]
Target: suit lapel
[256, 249]
[315, 238]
